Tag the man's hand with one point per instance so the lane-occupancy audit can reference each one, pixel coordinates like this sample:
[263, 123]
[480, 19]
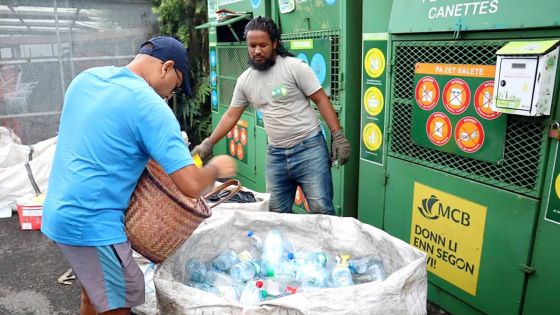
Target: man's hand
[225, 165]
[340, 149]
[204, 150]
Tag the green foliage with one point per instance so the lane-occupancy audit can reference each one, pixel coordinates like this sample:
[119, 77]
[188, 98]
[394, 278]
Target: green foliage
[178, 18]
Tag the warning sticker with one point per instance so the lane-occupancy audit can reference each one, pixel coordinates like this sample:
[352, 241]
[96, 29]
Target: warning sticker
[483, 101]
[438, 128]
[456, 96]
[427, 93]
[450, 230]
[469, 134]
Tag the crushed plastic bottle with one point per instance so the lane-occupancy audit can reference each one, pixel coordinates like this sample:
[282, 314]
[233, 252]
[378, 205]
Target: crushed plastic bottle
[368, 269]
[218, 278]
[280, 286]
[245, 271]
[195, 271]
[341, 275]
[225, 260]
[251, 294]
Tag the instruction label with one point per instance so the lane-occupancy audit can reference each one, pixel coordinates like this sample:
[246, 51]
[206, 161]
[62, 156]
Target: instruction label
[450, 230]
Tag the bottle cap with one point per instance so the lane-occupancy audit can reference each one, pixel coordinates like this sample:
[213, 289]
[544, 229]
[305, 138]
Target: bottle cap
[291, 256]
[259, 284]
[250, 233]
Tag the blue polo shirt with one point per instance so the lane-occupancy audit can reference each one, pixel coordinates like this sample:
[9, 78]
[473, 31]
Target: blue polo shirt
[111, 124]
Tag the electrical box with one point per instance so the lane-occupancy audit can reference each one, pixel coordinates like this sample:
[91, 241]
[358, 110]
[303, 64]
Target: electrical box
[525, 76]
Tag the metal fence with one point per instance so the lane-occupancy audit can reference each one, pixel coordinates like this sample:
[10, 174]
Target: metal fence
[45, 44]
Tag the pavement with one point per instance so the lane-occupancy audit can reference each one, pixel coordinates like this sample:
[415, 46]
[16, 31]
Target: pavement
[30, 265]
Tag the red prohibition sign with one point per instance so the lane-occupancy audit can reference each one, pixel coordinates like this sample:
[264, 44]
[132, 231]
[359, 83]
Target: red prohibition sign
[427, 93]
[483, 101]
[438, 128]
[456, 96]
[469, 134]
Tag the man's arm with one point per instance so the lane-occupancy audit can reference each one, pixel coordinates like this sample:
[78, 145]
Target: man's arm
[340, 147]
[326, 109]
[227, 122]
[229, 119]
[192, 180]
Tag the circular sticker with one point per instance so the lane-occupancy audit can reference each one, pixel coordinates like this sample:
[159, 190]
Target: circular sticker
[212, 58]
[240, 151]
[330, 2]
[230, 134]
[236, 133]
[255, 3]
[299, 196]
[244, 136]
[456, 96]
[374, 62]
[438, 128]
[427, 93]
[469, 134]
[372, 137]
[319, 67]
[302, 56]
[232, 148]
[483, 101]
[213, 78]
[373, 101]
[214, 98]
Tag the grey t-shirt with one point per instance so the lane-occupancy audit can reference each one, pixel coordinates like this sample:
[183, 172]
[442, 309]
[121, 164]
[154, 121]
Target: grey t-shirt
[281, 94]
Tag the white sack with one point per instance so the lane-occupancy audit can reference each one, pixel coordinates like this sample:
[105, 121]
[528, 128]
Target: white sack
[14, 180]
[403, 292]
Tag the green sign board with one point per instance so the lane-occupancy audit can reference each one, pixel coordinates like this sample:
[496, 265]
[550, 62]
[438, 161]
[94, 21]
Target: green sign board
[553, 205]
[452, 111]
[421, 16]
[374, 91]
[317, 54]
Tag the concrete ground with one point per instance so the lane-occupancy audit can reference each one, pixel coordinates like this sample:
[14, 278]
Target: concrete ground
[30, 266]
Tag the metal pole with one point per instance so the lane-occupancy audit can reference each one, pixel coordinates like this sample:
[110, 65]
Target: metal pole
[62, 84]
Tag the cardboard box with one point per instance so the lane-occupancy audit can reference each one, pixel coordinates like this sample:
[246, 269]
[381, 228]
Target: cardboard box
[31, 213]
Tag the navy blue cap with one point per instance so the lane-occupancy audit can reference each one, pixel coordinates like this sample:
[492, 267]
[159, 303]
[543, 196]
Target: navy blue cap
[168, 48]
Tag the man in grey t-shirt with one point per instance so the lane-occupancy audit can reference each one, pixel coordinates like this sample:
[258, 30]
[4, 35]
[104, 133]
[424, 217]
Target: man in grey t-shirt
[280, 86]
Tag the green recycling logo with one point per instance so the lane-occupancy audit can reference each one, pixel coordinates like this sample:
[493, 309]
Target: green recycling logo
[279, 91]
[427, 205]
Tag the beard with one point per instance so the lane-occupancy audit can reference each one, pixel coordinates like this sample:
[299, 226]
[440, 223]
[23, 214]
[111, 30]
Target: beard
[262, 66]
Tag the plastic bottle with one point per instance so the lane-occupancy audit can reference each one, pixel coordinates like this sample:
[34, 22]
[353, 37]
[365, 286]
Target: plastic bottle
[275, 252]
[256, 241]
[341, 275]
[227, 291]
[217, 278]
[245, 271]
[225, 260]
[322, 259]
[200, 286]
[369, 267]
[280, 286]
[311, 276]
[251, 294]
[195, 271]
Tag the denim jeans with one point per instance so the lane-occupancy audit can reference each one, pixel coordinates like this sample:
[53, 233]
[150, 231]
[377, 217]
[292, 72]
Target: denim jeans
[307, 165]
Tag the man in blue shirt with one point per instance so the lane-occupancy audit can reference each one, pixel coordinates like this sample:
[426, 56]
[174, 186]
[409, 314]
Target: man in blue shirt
[114, 119]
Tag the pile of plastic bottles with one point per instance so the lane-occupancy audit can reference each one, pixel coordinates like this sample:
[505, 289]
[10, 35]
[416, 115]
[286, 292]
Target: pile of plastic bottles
[273, 268]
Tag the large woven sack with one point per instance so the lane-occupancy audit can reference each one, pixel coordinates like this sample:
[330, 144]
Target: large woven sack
[403, 292]
[160, 217]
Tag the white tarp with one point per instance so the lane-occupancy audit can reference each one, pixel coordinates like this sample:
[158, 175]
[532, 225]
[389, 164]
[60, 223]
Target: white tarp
[403, 292]
[14, 179]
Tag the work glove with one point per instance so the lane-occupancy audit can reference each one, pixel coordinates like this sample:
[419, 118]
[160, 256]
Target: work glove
[204, 150]
[340, 148]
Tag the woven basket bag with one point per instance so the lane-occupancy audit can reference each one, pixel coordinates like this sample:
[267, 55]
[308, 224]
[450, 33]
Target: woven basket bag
[160, 217]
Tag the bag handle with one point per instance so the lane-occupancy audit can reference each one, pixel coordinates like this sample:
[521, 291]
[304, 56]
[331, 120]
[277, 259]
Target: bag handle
[234, 191]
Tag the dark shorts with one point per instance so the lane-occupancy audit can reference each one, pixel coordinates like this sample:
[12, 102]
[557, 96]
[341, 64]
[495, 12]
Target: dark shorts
[108, 274]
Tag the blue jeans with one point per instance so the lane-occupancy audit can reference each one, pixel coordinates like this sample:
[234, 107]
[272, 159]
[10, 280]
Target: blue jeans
[307, 165]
